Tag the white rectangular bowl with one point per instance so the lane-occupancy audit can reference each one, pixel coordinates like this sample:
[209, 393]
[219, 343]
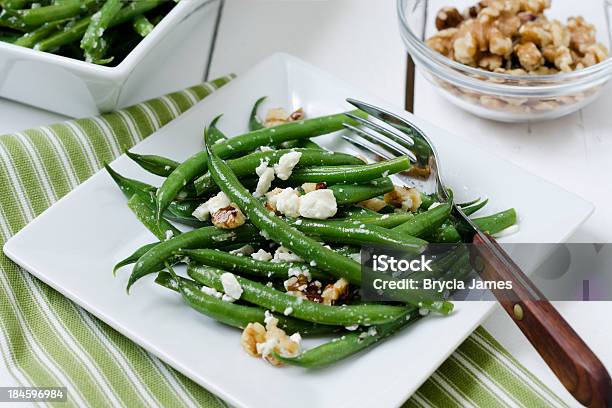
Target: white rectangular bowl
[73, 246]
[174, 56]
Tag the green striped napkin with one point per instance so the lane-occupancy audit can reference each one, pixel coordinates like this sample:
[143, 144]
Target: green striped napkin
[46, 340]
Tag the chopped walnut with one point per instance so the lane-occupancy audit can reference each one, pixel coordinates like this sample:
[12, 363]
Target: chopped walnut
[253, 334]
[529, 56]
[229, 217]
[332, 293]
[448, 17]
[278, 116]
[260, 341]
[374, 204]
[406, 198]
[310, 187]
[507, 35]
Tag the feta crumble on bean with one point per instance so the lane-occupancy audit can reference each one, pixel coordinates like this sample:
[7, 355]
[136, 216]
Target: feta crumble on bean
[318, 204]
[287, 202]
[261, 255]
[231, 286]
[211, 206]
[286, 163]
[283, 254]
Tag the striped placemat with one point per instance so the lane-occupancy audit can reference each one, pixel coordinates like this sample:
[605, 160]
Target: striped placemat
[46, 340]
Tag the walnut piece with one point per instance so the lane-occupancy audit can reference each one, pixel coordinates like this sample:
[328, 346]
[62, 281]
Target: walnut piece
[406, 198]
[448, 17]
[260, 341]
[229, 217]
[332, 293]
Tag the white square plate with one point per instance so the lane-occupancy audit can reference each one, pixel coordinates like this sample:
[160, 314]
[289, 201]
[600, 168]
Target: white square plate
[73, 246]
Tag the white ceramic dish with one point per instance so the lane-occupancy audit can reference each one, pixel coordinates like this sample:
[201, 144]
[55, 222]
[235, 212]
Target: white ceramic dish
[174, 56]
[73, 245]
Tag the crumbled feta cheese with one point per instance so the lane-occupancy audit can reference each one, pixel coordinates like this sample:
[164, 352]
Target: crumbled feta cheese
[211, 206]
[265, 149]
[313, 263]
[264, 183]
[266, 348]
[288, 311]
[231, 286]
[352, 328]
[298, 271]
[263, 165]
[318, 204]
[211, 292]
[269, 318]
[264, 234]
[227, 298]
[372, 331]
[286, 163]
[245, 250]
[261, 255]
[282, 254]
[296, 338]
[286, 202]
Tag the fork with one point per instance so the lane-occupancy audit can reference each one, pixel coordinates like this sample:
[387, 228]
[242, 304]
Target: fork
[571, 360]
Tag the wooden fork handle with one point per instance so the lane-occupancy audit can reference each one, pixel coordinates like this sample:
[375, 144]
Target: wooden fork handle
[572, 361]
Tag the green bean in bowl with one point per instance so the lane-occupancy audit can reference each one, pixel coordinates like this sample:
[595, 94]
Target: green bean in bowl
[273, 226]
[97, 31]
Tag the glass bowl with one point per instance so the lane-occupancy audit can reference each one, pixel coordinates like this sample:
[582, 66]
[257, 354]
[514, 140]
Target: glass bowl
[504, 97]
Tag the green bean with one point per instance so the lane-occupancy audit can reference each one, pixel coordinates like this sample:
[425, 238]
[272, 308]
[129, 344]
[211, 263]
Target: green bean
[269, 298]
[496, 223]
[358, 233]
[246, 165]
[232, 314]
[196, 165]
[355, 193]
[355, 212]
[129, 187]
[205, 237]
[350, 174]
[76, 31]
[100, 21]
[426, 222]
[382, 220]
[38, 16]
[347, 345]
[469, 210]
[277, 229]
[142, 25]
[254, 122]
[162, 229]
[158, 165]
[446, 234]
[215, 133]
[30, 39]
[8, 19]
[135, 256]
[14, 4]
[468, 204]
[248, 265]
[179, 211]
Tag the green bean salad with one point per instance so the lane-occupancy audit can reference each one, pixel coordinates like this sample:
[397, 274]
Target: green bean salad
[98, 31]
[276, 225]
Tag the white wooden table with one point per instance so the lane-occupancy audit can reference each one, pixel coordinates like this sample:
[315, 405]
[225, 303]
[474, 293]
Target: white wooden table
[358, 41]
